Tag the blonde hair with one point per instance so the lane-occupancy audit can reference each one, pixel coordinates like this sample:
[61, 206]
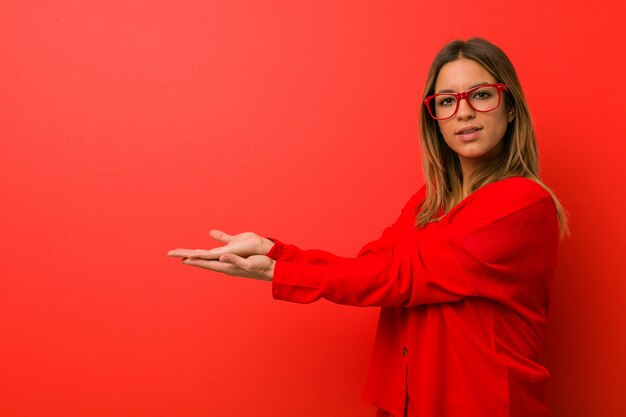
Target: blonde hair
[519, 157]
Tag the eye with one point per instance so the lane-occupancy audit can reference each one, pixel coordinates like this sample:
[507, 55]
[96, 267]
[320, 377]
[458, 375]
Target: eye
[446, 101]
[482, 94]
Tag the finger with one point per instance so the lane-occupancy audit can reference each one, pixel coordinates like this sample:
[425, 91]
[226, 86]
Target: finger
[219, 235]
[235, 260]
[207, 254]
[246, 267]
[180, 252]
[197, 253]
[216, 266]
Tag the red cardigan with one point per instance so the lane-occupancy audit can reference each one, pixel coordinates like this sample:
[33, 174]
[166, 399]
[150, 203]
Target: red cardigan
[464, 302]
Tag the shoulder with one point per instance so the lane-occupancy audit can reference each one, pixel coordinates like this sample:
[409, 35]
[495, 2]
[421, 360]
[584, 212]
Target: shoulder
[415, 199]
[419, 195]
[513, 191]
[505, 197]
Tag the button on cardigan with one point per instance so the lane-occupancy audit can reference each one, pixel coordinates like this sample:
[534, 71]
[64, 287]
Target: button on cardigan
[463, 302]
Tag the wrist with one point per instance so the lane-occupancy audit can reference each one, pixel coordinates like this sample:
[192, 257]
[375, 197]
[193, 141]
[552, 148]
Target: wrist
[266, 245]
[269, 273]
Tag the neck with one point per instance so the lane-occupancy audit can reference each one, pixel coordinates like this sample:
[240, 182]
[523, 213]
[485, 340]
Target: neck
[468, 167]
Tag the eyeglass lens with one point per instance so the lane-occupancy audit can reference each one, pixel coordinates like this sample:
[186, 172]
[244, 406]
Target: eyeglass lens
[482, 99]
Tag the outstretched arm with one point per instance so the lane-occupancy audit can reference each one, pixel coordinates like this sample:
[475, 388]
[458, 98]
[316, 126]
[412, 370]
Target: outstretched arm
[500, 251]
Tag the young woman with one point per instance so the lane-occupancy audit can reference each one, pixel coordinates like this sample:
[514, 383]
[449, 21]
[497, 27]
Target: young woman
[462, 277]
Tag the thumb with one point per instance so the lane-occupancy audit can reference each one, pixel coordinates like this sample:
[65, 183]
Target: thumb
[230, 259]
[221, 236]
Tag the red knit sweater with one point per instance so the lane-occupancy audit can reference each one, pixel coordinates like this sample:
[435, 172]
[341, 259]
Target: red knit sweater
[464, 302]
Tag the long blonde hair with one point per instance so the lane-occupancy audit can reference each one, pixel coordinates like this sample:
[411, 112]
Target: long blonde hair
[519, 157]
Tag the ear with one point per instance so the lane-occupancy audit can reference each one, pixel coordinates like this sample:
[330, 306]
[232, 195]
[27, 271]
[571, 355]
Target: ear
[511, 114]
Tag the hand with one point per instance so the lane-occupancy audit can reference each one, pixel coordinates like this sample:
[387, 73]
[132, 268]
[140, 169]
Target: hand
[256, 266]
[243, 244]
[250, 245]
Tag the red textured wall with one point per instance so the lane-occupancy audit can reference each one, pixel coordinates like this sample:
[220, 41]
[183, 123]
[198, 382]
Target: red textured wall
[129, 128]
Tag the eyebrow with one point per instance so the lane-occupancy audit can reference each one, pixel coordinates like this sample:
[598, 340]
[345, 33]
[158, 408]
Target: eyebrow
[452, 91]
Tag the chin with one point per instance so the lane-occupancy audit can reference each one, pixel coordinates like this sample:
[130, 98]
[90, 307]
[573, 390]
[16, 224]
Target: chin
[477, 152]
[471, 153]
[474, 156]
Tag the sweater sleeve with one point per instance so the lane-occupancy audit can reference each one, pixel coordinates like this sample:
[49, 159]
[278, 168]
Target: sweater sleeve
[291, 253]
[381, 247]
[496, 247]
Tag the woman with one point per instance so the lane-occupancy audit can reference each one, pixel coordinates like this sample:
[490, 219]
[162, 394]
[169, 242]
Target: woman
[463, 275]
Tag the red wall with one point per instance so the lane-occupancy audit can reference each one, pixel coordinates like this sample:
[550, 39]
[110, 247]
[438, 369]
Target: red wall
[129, 128]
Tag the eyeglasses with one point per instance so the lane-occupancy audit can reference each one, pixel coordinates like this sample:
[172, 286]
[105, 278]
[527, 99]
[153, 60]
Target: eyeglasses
[483, 98]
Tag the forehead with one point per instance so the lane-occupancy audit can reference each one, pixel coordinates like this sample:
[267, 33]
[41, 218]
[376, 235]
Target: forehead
[462, 74]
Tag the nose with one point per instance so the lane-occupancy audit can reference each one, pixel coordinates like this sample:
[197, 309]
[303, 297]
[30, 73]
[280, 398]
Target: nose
[465, 111]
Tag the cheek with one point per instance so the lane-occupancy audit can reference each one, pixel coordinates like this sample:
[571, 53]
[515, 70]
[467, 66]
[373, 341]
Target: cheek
[498, 123]
[446, 131]
[501, 125]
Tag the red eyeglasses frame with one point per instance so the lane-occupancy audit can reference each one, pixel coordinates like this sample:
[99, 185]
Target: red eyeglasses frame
[463, 95]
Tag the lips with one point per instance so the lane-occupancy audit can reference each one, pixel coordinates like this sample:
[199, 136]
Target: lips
[467, 129]
[468, 133]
